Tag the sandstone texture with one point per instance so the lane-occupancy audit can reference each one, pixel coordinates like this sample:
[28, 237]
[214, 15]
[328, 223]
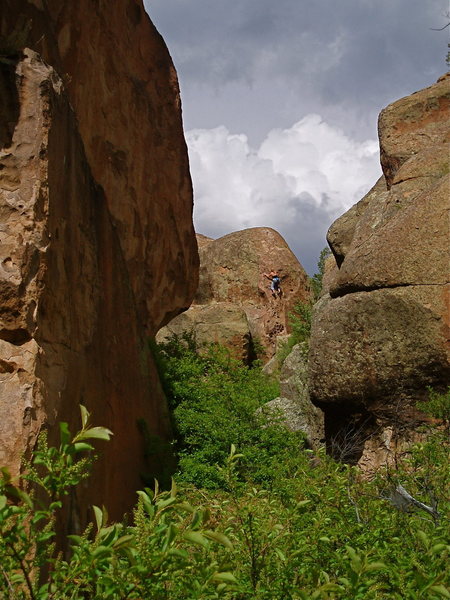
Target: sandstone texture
[97, 248]
[123, 87]
[380, 331]
[294, 405]
[231, 273]
[222, 323]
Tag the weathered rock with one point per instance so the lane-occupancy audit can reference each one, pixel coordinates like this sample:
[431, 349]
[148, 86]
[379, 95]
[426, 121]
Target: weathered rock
[70, 334]
[413, 124]
[297, 411]
[395, 231]
[202, 240]
[380, 334]
[223, 323]
[379, 347]
[123, 88]
[231, 271]
[342, 232]
[273, 366]
[97, 245]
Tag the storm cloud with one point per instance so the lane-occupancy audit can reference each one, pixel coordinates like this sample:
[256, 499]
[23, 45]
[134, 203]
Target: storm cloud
[251, 71]
[297, 181]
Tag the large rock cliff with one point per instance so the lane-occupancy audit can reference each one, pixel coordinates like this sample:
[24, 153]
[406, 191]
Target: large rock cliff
[97, 244]
[380, 332]
[233, 304]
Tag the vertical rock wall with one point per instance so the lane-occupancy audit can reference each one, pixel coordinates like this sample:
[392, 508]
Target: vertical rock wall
[97, 248]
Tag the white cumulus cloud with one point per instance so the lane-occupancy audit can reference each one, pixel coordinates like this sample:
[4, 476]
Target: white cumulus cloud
[298, 181]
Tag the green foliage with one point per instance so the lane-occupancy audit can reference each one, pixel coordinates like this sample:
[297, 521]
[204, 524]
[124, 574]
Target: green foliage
[325, 533]
[437, 406]
[300, 318]
[165, 553]
[27, 519]
[318, 532]
[300, 323]
[317, 278]
[214, 401]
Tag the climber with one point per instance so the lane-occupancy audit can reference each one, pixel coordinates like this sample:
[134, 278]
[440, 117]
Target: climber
[275, 286]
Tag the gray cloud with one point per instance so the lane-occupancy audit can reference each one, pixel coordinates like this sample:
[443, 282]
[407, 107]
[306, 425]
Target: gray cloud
[325, 56]
[298, 181]
[256, 68]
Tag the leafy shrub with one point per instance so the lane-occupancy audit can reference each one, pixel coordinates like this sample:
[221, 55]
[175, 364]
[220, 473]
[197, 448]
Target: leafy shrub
[328, 534]
[317, 279]
[300, 318]
[437, 406]
[318, 532]
[214, 401]
[165, 553]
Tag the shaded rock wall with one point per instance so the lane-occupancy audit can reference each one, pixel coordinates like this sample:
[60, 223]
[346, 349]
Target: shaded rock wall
[92, 260]
[380, 333]
[123, 88]
[231, 274]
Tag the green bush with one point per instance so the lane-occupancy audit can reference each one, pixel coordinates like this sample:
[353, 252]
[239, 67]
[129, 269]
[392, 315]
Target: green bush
[326, 533]
[164, 553]
[300, 318]
[214, 401]
[437, 406]
[317, 279]
[318, 532]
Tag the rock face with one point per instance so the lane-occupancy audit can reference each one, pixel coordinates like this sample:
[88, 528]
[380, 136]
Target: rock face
[380, 333]
[294, 405]
[221, 322]
[231, 274]
[92, 259]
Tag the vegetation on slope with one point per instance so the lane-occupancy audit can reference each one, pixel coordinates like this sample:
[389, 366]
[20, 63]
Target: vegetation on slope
[286, 526]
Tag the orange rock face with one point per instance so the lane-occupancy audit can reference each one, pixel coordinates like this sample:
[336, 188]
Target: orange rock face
[380, 335]
[232, 273]
[97, 248]
[123, 88]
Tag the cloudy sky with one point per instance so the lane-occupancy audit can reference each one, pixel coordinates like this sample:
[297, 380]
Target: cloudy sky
[280, 103]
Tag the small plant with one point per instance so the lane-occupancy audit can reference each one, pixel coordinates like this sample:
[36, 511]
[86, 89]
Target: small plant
[28, 519]
[437, 406]
[300, 319]
[166, 553]
[317, 279]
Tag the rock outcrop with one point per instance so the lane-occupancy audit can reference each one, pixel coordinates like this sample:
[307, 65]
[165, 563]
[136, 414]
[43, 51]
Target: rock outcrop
[380, 334]
[293, 405]
[97, 244]
[222, 323]
[232, 275]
